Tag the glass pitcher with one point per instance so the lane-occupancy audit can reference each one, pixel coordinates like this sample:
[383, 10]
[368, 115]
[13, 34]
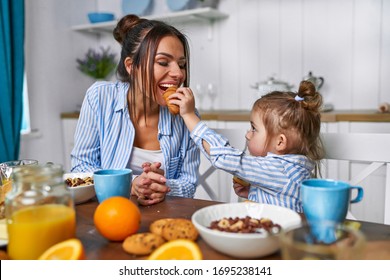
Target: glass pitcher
[39, 211]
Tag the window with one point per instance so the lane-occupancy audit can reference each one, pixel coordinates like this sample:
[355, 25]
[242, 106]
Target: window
[26, 128]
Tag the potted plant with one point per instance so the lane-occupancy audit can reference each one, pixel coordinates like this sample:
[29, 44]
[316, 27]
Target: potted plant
[98, 64]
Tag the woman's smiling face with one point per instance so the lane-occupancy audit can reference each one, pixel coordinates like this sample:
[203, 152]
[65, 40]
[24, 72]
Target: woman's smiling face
[169, 66]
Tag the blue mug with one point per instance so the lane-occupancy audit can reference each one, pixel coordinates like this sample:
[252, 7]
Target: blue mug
[325, 199]
[112, 182]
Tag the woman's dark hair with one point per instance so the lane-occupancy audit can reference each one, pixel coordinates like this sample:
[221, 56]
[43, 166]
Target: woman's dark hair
[139, 39]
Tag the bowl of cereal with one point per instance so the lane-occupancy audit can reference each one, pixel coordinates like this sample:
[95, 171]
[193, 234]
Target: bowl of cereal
[81, 186]
[244, 230]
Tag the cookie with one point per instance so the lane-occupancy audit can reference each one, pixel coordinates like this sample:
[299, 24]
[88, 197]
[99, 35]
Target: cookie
[4, 255]
[241, 181]
[179, 229]
[158, 225]
[142, 243]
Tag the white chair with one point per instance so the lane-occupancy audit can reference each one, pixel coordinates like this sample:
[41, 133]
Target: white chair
[373, 150]
[217, 184]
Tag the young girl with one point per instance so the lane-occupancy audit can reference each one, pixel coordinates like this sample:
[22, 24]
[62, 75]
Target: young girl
[283, 143]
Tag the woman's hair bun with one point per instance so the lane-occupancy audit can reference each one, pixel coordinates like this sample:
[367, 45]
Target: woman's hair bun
[124, 25]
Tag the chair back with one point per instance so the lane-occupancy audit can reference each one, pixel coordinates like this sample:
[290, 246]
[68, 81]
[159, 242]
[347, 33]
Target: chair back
[358, 156]
[217, 184]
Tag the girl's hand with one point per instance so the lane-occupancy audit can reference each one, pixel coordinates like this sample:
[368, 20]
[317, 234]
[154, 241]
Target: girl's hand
[150, 186]
[240, 190]
[184, 98]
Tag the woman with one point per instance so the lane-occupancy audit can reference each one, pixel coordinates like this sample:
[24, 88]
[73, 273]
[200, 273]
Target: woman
[127, 123]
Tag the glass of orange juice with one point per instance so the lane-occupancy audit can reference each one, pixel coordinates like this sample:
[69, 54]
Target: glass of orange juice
[39, 211]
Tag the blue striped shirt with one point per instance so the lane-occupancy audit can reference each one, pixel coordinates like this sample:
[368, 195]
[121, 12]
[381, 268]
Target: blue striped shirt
[275, 179]
[104, 138]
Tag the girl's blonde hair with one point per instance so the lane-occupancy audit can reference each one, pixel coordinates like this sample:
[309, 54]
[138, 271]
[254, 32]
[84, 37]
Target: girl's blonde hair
[297, 115]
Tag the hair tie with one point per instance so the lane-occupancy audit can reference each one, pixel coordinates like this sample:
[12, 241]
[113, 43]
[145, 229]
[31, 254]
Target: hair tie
[298, 98]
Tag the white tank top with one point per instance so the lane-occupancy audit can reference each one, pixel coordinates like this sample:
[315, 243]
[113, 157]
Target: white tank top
[139, 156]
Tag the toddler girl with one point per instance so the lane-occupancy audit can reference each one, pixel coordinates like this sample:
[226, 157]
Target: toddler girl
[283, 143]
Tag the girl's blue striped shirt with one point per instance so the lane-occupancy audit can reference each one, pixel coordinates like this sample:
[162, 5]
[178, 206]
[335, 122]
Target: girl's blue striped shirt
[275, 179]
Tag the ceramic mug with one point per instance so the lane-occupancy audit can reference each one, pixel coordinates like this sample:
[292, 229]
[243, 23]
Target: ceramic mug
[327, 200]
[112, 182]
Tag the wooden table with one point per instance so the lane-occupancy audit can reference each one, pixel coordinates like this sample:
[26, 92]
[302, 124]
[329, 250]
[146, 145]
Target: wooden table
[98, 248]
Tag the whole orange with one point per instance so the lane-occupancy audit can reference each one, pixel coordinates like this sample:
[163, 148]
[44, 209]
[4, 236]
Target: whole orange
[117, 218]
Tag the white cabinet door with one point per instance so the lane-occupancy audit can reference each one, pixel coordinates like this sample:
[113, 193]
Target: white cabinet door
[68, 130]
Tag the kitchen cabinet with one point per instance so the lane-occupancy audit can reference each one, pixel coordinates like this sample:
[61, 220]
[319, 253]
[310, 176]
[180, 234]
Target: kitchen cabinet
[68, 130]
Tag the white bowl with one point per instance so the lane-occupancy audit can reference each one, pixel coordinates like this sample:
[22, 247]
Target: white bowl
[243, 245]
[81, 193]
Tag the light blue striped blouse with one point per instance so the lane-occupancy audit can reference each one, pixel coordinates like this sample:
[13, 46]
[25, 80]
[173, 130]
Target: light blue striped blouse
[104, 138]
[275, 179]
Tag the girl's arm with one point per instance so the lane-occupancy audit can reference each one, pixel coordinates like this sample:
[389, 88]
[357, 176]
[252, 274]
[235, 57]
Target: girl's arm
[184, 98]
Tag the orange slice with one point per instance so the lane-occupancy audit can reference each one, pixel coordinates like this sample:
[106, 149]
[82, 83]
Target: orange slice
[179, 249]
[71, 249]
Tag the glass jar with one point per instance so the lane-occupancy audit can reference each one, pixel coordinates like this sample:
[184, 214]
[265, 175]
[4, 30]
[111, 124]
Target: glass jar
[39, 211]
[5, 182]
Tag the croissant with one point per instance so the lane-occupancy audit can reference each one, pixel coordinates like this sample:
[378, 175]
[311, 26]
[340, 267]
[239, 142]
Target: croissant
[173, 108]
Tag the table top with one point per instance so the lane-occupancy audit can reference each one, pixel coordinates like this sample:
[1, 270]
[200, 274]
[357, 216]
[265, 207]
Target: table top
[99, 248]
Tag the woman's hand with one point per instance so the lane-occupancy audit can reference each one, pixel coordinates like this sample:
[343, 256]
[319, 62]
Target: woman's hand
[150, 186]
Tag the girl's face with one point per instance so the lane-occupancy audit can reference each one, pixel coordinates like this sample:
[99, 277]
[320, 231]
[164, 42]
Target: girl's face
[169, 66]
[257, 136]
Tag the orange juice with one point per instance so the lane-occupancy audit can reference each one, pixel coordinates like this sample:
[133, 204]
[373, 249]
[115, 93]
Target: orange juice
[34, 229]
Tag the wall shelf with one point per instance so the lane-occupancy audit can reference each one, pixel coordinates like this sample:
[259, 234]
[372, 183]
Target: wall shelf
[208, 14]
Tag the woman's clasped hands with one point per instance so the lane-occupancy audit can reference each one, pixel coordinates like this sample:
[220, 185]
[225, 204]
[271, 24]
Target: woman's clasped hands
[150, 186]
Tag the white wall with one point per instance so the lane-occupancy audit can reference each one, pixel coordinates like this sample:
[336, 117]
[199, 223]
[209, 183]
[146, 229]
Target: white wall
[347, 42]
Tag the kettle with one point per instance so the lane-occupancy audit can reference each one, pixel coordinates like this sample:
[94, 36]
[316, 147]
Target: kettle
[317, 81]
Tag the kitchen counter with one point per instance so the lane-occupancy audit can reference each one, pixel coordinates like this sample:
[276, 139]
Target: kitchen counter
[332, 116]
[243, 115]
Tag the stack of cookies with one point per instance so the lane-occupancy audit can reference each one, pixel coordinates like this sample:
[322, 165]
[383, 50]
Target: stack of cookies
[161, 231]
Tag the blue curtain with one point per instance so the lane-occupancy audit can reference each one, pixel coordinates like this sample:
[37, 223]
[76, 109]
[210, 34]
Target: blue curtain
[11, 77]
